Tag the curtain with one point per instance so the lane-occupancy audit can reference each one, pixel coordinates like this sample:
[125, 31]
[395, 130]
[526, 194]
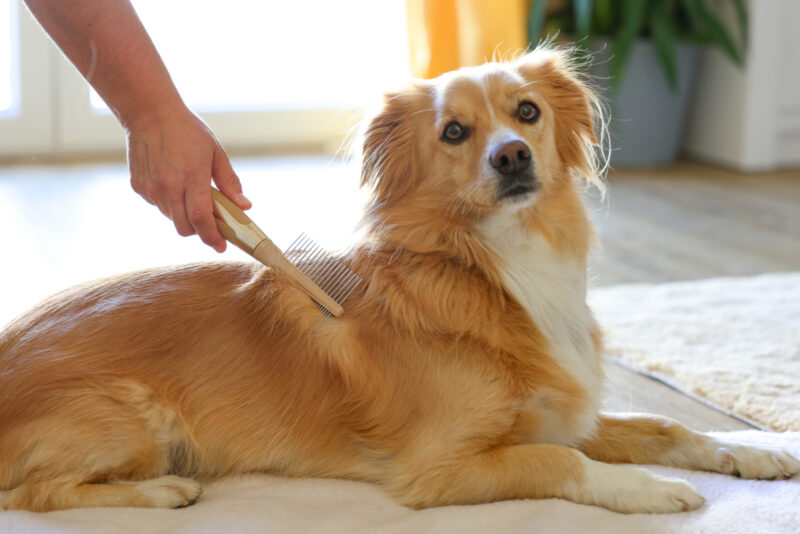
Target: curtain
[448, 34]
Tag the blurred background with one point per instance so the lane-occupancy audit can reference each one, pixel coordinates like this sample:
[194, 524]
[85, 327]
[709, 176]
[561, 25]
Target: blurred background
[704, 100]
[281, 76]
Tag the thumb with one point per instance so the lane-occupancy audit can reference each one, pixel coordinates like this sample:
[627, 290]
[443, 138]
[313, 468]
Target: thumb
[226, 179]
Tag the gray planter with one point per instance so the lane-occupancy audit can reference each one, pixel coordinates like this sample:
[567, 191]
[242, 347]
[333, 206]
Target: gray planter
[647, 117]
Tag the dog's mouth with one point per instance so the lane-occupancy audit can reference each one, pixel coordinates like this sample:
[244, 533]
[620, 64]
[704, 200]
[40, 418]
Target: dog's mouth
[517, 187]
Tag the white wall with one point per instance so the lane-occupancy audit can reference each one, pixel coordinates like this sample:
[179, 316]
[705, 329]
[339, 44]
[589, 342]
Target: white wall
[788, 139]
[750, 119]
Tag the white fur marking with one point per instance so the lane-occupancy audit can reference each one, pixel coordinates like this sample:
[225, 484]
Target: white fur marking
[553, 291]
[632, 490]
[488, 101]
[170, 491]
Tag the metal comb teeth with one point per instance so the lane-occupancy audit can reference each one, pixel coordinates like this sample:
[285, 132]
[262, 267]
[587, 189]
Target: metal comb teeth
[330, 274]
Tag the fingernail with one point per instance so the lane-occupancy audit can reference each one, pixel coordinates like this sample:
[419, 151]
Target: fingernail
[244, 200]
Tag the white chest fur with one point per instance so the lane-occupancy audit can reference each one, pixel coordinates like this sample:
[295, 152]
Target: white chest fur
[552, 288]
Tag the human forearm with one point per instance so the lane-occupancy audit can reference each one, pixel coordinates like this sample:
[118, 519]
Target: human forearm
[172, 155]
[108, 44]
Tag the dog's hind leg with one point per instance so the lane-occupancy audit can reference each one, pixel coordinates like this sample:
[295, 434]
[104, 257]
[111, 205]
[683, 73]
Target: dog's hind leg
[108, 445]
[47, 494]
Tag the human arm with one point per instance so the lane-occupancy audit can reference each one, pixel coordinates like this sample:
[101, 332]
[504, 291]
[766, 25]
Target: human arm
[172, 155]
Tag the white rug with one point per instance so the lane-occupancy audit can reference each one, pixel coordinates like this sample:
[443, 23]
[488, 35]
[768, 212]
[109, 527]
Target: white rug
[733, 342]
[266, 504]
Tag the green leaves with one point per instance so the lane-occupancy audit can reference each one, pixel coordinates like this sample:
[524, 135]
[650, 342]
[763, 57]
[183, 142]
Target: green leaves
[741, 15]
[708, 30]
[666, 22]
[583, 18]
[536, 21]
[664, 41]
[604, 15]
[634, 11]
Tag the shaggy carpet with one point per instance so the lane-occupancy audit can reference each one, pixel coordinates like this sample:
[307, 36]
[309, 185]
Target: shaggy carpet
[731, 342]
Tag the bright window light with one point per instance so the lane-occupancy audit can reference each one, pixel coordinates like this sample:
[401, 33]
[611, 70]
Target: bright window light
[8, 52]
[241, 55]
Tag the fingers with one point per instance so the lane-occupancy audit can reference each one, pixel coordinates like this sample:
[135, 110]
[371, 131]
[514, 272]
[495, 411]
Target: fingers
[173, 197]
[200, 214]
[185, 199]
[172, 162]
[227, 181]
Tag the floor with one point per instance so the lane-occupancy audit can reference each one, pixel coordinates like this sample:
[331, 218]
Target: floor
[691, 222]
[70, 223]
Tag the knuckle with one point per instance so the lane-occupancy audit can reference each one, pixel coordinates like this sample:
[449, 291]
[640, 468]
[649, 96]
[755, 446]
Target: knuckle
[163, 171]
[171, 188]
[191, 175]
[231, 180]
[169, 180]
[198, 216]
[163, 176]
[151, 191]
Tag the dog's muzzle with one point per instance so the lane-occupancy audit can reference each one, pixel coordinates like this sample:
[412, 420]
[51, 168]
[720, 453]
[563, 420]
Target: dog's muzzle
[512, 161]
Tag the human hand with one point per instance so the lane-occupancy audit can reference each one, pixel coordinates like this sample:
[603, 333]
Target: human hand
[172, 157]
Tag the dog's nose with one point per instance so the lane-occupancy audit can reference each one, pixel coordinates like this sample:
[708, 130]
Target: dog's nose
[511, 157]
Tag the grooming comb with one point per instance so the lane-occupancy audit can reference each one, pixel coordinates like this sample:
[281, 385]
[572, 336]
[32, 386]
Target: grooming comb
[325, 279]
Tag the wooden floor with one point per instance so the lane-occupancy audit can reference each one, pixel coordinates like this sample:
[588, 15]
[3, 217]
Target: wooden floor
[692, 222]
[68, 224]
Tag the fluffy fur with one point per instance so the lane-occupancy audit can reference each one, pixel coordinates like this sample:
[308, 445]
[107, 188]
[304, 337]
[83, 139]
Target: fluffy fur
[466, 369]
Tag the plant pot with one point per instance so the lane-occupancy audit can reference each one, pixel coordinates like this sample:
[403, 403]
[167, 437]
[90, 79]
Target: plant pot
[647, 116]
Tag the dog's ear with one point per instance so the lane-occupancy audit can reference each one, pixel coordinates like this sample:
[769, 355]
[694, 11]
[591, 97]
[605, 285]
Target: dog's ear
[577, 108]
[390, 159]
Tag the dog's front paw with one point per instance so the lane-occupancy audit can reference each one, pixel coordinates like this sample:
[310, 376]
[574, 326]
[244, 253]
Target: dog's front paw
[634, 490]
[756, 462]
[662, 496]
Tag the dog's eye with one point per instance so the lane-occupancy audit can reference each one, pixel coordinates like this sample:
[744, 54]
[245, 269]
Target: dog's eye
[454, 132]
[528, 112]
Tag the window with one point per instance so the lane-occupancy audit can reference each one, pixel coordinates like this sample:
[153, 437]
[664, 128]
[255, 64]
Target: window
[9, 75]
[260, 73]
[26, 120]
[245, 55]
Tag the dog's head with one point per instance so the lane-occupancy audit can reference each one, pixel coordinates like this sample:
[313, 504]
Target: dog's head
[480, 139]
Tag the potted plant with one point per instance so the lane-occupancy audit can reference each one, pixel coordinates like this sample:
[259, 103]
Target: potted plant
[644, 56]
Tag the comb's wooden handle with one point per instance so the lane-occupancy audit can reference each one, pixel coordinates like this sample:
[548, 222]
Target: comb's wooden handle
[240, 230]
[234, 225]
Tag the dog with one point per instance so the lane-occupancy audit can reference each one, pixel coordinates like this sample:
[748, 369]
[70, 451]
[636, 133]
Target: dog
[466, 369]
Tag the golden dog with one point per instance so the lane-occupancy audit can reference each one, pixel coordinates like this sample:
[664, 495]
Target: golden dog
[466, 369]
